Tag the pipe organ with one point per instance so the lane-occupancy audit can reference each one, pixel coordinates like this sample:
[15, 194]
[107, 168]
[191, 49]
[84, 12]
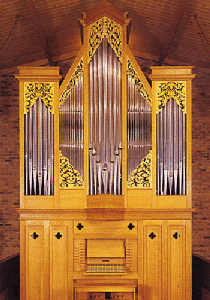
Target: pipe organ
[105, 173]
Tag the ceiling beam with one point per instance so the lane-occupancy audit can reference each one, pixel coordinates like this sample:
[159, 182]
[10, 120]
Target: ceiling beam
[39, 31]
[172, 32]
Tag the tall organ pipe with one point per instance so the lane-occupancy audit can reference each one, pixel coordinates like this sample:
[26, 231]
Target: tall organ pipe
[171, 153]
[39, 150]
[105, 143]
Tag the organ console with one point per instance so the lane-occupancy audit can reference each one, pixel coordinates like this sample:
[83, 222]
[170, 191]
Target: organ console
[105, 173]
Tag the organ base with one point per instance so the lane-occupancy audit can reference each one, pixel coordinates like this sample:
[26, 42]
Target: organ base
[145, 254]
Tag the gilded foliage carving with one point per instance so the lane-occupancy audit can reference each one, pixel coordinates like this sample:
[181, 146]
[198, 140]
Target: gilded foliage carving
[35, 90]
[72, 82]
[142, 176]
[171, 89]
[69, 177]
[105, 27]
[138, 83]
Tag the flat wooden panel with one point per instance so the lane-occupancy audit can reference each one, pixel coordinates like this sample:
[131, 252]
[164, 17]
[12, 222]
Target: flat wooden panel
[58, 262]
[34, 262]
[112, 227]
[176, 262]
[139, 198]
[171, 202]
[152, 262]
[105, 248]
[72, 199]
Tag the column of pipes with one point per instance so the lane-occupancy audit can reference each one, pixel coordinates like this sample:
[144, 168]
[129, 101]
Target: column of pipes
[71, 127]
[105, 139]
[171, 150]
[39, 150]
[139, 127]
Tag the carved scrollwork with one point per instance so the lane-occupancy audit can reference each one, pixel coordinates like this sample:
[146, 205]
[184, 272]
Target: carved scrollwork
[142, 176]
[105, 27]
[171, 89]
[72, 82]
[69, 177]
[138, 83]
[35, 90]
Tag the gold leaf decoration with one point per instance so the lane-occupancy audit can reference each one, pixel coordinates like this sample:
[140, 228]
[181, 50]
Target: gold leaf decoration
[142, 176]
[138, 83]
[72, 82]
[171, 89]
[105, 27]
[35, 90]
[69, 177]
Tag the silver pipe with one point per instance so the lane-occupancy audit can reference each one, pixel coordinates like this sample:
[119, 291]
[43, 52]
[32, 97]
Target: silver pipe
[105, 95]
[81, 126]
[184, 153]
[45, 146]
[180, 150]
[91, 170]
[128, 126]
[158, 153]
[40, 145]
[26, 154]
[165, 151]
[35, 145]
[94, 171]
[119, 124]
[30, 149]
[100, 108]
[48, 153]
[170, 146]
[161, 152]
[52, 151]
[176, 143]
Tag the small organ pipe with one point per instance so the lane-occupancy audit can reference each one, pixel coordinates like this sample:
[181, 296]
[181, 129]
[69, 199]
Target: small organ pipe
[48, 152]
[26, 154]
[184, 156]
[45, 149]
[30, 139]
[39, 146]
[176, 143]
[35, 147]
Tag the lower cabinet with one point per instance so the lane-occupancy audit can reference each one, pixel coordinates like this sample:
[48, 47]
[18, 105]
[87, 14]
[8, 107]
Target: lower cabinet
[58, 262]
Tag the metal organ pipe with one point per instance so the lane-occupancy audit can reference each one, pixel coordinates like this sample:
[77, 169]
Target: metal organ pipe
[105, 145]
[171, 153]
[39, 151]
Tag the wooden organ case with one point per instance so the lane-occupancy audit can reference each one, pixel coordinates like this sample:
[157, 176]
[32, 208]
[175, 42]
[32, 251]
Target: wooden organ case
[105, 173]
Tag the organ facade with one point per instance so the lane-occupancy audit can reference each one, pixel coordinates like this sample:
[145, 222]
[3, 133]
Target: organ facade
[105, 173]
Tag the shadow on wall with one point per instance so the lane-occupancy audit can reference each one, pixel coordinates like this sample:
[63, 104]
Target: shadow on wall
[10, 279]
[200, 279]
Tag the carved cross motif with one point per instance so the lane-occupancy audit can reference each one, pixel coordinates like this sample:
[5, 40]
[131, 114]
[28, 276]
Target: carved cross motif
[131, 226]
[152, 235]
[34, 236]
[80, 226]
[58, 235]
[176, 235]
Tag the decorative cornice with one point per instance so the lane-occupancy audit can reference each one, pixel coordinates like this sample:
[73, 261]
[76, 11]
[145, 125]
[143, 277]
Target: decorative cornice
[35, 90]
[101, 28]
[142, 176]
[170, 89]
[69, 177]
[72, 82]
[138, 83]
